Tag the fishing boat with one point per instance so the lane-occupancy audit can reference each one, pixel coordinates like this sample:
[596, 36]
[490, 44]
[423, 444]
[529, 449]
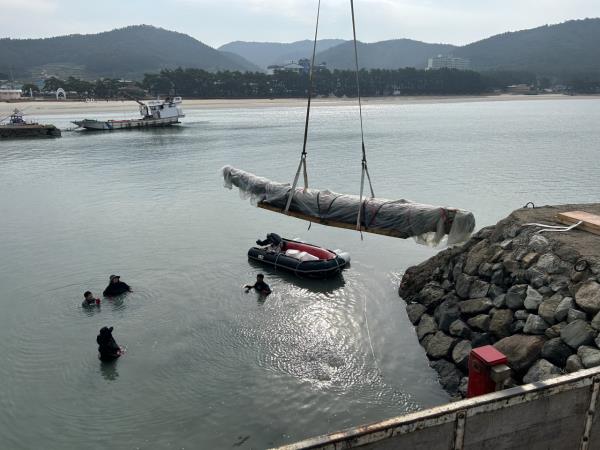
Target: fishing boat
[17, 127]
[301, 259]
[155, 113]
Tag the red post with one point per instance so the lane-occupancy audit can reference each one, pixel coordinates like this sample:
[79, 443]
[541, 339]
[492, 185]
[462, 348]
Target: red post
[481, 361]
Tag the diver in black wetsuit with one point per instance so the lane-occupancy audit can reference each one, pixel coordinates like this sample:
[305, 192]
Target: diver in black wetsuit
[274, 241]
[107, 346]
[260, 286]
[116, 287]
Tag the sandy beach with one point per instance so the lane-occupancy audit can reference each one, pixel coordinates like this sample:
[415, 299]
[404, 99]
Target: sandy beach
[81, 107]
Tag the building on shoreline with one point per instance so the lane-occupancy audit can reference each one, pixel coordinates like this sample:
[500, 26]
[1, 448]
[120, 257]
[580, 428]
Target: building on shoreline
[448, 62]
[10, 94]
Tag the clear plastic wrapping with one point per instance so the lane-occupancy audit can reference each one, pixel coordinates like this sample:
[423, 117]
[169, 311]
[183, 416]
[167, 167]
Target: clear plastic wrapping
[399, 218]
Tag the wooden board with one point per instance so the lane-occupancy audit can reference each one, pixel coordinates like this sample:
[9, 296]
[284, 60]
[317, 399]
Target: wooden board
[333, 223]
[591, 222]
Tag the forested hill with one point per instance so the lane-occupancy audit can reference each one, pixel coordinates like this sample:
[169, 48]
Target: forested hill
[564, 49]
[393, 54]
[264, 54]
[127, 52]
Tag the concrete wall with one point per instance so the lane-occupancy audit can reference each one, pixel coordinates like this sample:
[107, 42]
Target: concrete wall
[554, 414]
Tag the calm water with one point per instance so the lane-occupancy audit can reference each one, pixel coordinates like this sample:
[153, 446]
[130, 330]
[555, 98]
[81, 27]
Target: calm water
[208, 366]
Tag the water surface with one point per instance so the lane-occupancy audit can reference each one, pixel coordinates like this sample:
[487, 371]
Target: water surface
[208, 366]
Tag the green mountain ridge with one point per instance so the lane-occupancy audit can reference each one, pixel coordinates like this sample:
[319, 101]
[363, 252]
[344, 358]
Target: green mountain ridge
[126, 52]
[556, 50]
[264, 54]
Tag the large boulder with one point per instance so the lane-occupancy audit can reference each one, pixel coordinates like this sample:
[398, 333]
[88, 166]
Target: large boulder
[415, 311]
[479, 288]
[460, 354]
[575, 314]
[577, 333]
[479, 254]
[535, 325]
[533, 299]
[463, 285]
[460, 329]
[541, 370]
[450, 376]
[445, 314]
[521, 350]
[554, 330]
[539, 244]
[590, 356]
[431, 295]
[426, 326]
[476, 306]
[500, 324]
[515, 296]
[573, 364]
[547, 309]
[480, 322]
[563, 309]
[588, 297]
[440, 345]
[556, 351]
[550, 264]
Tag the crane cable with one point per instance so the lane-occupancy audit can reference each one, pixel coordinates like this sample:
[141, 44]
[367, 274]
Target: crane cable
[302, 164]
[365, 168]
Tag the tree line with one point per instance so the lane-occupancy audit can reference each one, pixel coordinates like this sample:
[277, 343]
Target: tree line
[198, 83]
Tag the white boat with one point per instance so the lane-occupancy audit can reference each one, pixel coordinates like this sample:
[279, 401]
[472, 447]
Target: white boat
[155, 113]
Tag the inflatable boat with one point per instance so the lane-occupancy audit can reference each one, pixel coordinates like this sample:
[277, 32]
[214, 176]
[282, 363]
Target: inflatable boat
[305, 260]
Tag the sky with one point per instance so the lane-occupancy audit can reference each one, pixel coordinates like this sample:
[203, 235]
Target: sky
[216, 22]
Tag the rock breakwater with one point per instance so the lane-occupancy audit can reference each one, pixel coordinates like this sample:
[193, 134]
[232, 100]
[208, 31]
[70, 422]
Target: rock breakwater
[534, 296]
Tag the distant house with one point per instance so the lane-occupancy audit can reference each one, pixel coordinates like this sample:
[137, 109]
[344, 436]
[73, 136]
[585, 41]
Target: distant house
[302, 66]
[10, 94]
[448, 62]
[518, 89]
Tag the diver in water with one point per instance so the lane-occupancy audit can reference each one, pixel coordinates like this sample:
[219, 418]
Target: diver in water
[107, 346]
[116, 287]
[260, 286]
[89, 300]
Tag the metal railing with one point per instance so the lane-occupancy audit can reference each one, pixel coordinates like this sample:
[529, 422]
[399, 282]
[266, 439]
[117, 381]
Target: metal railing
[559, 413]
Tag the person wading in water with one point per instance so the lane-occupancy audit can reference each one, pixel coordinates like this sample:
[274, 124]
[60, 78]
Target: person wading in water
[116, 287]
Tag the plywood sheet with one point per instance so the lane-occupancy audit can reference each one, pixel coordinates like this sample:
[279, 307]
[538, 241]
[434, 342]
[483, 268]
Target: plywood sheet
[591, 222]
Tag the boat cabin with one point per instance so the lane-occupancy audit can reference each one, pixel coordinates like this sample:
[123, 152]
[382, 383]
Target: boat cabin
[161, 109]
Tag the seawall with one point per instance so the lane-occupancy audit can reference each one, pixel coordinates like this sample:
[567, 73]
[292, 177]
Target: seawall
[535, 296]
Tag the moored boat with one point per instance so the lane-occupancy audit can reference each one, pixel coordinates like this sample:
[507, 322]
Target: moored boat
[155, 113]
[17, 127]
[301, 259]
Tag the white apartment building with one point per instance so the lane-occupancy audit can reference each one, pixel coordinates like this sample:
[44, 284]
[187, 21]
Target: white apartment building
[449, 62]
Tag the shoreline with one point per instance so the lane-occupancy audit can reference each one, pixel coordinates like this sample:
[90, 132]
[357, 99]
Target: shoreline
[66, 107]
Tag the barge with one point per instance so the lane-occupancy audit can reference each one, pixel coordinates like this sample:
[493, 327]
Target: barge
[17, 127]
[155, 113]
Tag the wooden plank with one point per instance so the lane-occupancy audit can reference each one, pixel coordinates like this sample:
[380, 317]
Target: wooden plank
[591, 222]
[334, 223]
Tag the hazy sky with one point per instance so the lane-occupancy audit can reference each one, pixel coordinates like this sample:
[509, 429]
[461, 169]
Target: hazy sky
[216, 22]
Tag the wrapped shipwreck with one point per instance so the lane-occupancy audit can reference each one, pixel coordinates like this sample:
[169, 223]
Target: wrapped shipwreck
[396, 218]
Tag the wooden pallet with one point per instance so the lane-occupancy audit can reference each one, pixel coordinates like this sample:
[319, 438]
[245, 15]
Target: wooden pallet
[590, 222]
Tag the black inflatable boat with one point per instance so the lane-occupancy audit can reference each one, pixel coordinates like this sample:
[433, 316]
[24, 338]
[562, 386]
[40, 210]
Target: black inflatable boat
[302, 259]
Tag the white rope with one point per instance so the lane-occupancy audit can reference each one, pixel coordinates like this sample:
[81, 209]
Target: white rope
[553, 228]
[369, 336]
